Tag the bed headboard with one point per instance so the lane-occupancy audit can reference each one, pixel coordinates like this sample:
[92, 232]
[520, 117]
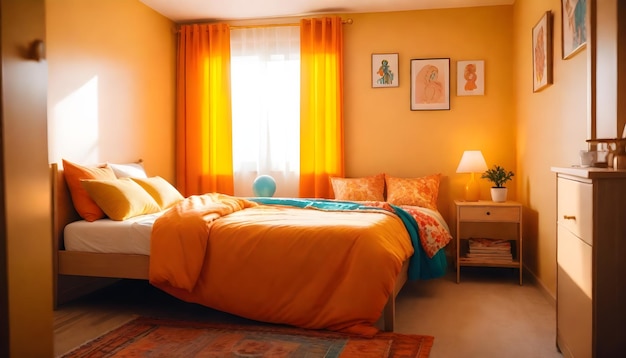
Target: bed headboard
[67, 287]
[63, 211]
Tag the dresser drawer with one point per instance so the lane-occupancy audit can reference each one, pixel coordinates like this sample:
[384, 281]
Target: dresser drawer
[574, 258]
[574, 295]
[574, 208]
[490, 213]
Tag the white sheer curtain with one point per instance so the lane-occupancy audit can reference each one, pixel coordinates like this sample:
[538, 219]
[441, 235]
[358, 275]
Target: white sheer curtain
[265, 82]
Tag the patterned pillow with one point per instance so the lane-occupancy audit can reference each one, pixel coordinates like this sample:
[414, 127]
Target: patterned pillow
[421, 192]
[359, 189]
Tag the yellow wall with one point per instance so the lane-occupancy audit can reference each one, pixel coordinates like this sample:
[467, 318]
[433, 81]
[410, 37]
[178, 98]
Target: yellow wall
[514, 127]
[111, 92]
[551, 128]
[111, 84]
[382, 134]
[130, 50]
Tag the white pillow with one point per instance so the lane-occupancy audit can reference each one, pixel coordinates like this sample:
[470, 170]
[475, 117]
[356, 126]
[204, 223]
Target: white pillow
[128, 170]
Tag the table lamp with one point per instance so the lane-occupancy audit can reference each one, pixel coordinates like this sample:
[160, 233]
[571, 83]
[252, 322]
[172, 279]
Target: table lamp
[472, 162]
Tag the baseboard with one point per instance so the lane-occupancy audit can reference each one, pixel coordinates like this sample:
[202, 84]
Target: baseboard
[530, 276]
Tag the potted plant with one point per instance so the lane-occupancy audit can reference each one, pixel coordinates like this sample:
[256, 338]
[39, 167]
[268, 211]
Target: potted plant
[498, 176]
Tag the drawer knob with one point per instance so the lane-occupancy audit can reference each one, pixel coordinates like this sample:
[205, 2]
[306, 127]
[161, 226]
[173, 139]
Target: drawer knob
[488, 212]
[569, 217]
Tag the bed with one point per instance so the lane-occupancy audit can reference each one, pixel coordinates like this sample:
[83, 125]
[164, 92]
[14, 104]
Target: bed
[135, 263]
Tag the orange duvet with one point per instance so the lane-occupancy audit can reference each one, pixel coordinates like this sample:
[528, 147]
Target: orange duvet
[303, 267]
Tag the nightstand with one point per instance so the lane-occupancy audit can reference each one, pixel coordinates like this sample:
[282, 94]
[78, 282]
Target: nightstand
[488, 234]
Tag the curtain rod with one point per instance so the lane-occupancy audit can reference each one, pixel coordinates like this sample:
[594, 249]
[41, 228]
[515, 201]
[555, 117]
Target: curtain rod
[347, 21]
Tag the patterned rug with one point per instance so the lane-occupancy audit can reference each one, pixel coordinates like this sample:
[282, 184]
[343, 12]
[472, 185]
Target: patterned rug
[150, 337]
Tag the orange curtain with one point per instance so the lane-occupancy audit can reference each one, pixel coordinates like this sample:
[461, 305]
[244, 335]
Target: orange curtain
[204, 159]
[321, 105]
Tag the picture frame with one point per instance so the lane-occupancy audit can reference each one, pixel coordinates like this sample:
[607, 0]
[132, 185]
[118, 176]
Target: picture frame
[430, 84]
[470, 78]
[573, 27]
[385, 70]
[542, 52]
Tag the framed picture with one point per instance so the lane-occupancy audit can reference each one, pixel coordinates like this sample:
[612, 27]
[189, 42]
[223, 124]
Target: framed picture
[542, 52]
[470, 78]
[430, 84]
[385, 70]
[574, 26]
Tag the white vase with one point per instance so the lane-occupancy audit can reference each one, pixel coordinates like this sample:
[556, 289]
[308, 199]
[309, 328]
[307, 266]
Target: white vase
[498, 195]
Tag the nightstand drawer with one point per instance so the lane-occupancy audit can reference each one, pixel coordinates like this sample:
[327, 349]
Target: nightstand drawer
[490, 213]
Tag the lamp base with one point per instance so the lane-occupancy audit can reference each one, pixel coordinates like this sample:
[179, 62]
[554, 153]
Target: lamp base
[472, 190]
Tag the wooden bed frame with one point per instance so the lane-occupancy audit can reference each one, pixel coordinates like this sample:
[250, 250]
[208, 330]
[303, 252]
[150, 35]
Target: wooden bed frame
[76, 273]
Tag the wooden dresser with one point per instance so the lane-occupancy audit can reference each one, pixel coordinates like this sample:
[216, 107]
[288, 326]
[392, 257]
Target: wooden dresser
[591, 262]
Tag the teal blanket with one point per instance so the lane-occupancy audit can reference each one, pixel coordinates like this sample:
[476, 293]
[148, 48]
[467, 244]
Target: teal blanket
[420, 265]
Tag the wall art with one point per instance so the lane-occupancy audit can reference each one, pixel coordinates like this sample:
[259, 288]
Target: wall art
[385, 70]
[542, 52]
[470, 78]
[573, 26]
[430, 84]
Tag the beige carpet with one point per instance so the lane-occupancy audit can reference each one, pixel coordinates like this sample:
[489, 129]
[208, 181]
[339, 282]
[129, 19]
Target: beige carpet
[487, 315]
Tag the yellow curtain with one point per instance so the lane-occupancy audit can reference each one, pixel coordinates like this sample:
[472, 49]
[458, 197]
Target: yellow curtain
[321, 105]
[204, 159]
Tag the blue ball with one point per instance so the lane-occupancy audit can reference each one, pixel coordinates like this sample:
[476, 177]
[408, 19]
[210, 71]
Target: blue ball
[264, 185]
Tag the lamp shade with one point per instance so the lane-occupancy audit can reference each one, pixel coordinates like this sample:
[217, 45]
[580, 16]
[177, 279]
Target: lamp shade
[472, 161]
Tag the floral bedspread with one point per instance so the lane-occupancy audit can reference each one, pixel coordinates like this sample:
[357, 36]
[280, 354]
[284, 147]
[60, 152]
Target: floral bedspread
[434, 232]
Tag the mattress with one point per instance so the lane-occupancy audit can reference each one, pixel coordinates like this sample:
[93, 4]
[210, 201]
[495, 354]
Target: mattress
[131, 236]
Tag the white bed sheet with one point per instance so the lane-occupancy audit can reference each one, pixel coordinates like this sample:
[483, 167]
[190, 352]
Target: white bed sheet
[131, 236]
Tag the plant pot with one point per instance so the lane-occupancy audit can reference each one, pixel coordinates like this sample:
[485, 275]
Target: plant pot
[498, 195]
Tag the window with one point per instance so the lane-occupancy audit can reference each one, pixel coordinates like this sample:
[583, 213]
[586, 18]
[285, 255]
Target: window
[265, 85]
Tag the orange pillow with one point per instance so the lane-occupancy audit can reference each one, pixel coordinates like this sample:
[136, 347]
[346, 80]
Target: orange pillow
[84, 205]
[413, 191]
[370, 188]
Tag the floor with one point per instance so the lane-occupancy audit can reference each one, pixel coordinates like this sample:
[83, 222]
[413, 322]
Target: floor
[488, 314]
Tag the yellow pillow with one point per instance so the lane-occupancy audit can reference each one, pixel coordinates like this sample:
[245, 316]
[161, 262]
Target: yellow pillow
[120, 199]
[83, 203]
[413, 191]
[370, 188]
[161, 190]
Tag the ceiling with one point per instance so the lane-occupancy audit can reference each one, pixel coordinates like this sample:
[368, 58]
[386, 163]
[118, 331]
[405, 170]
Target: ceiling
[195, 10]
